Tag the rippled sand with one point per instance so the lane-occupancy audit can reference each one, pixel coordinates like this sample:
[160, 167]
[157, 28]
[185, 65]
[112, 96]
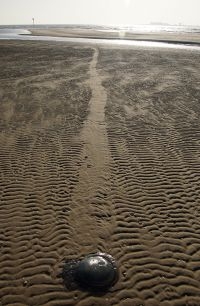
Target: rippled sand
[99, 151]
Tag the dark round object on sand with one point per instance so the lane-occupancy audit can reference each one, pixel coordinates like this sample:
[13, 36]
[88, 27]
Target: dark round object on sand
[97, 271]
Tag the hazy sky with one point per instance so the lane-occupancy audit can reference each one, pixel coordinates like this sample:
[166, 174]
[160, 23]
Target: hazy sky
[100, 11]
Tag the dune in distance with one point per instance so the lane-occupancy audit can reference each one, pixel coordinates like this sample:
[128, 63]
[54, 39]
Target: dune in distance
[99, 151]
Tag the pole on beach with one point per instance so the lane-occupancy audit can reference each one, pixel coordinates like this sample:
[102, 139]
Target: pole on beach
[33, 20]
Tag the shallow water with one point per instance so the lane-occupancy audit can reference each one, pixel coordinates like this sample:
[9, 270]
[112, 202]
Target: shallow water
[23, 34]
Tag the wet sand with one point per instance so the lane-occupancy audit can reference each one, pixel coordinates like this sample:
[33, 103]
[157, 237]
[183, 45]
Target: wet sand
[184, 38]
[99, 151]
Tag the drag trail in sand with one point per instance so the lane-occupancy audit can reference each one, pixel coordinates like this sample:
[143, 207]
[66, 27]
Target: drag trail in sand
[94, 172]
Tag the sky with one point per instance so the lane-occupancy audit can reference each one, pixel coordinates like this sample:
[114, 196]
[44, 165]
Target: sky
[107, 12]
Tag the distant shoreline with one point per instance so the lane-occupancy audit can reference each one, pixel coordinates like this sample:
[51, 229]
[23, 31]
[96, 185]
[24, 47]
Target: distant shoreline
[176, 38]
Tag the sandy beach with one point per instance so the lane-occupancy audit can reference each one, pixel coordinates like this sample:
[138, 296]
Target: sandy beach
[99, 151]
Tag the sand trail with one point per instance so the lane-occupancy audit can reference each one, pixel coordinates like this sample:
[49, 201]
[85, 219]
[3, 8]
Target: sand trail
[94, 174]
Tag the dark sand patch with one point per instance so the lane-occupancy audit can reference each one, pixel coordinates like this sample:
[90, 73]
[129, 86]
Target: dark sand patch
[99, 151]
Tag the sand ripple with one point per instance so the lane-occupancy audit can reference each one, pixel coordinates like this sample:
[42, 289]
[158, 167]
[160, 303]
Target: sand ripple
[99, 150]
